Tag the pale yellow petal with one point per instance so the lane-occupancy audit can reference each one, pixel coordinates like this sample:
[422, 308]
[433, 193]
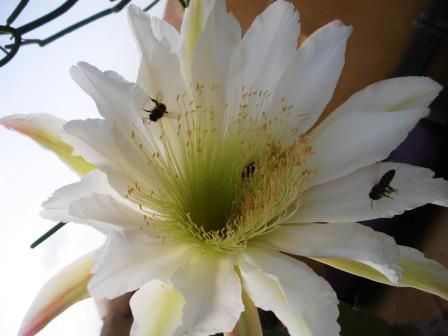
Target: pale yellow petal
[157, 310]
[44, 129]
[65, 289]
[418, 272]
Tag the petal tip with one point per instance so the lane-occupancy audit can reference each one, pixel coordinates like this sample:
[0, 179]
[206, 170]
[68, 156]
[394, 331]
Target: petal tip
[17, 121]
[340, 25]
[8, 120]
[134, 12]
[83, 67]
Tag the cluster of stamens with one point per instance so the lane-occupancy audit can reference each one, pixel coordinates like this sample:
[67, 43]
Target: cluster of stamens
[222, 174]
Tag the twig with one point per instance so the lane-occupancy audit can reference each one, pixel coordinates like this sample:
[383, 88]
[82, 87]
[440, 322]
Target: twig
[151, 5]
[118, 7]
[16, 12]
[47, 234]
[46, 18]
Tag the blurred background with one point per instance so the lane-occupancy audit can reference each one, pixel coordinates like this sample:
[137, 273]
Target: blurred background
[37, 80]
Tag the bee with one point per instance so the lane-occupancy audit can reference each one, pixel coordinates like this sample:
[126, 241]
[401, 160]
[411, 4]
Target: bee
[157, 112]
[382, 188]
[248, 171]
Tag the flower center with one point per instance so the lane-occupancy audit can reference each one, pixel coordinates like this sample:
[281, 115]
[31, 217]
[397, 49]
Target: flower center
[223, 174]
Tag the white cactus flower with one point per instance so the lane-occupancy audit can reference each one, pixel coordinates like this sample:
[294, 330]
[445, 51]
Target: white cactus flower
[201, 197]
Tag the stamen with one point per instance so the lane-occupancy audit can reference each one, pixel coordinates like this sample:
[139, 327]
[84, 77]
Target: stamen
[223, 175]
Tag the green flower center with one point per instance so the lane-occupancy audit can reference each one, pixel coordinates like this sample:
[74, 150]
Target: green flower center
[224, 173]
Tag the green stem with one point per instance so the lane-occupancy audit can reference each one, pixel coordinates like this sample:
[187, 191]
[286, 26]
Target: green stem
[249, 322]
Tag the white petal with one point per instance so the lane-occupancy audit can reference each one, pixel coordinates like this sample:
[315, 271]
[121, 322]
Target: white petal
[162, 30]
[116, 98]
[195, 17]
[215, 48]
[418, 272]
[338, 240]
[358, 139]
[212, 292]
[123, 266]
[310, 78]
[347, 198]
[105, 212]
[393, 94]
[160, 73]
[210, 61]
[165, 33]
[101, 142]
[193, 23]
[56, 207]
[157, 310]
[303, 301]
[93, 201]
[266, 48]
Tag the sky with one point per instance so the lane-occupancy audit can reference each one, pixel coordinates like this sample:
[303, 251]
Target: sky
[36, 80]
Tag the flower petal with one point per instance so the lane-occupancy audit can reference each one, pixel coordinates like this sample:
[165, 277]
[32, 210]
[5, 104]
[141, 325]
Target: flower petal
[418, 272]
[266, 48]
[394, 94]
[193, 23]
[309, 80]
[422, 273]
[162, 30]
[118, 101]
[358, 139]
[215, 47]
[212, 53]
[116, 98]
[347, 198]
[122, 266]
[303, 301]
[212, 291]
[63, 290]
[105, 212]
[93, 201]
[56, 207]
[100, 141]
[351, 241]
[165, 33]
[45, 130]
[157, 310]
[160, 72]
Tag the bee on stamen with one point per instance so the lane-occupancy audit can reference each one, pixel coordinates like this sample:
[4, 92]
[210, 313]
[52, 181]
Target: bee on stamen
[248, 171]
[382, 188]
